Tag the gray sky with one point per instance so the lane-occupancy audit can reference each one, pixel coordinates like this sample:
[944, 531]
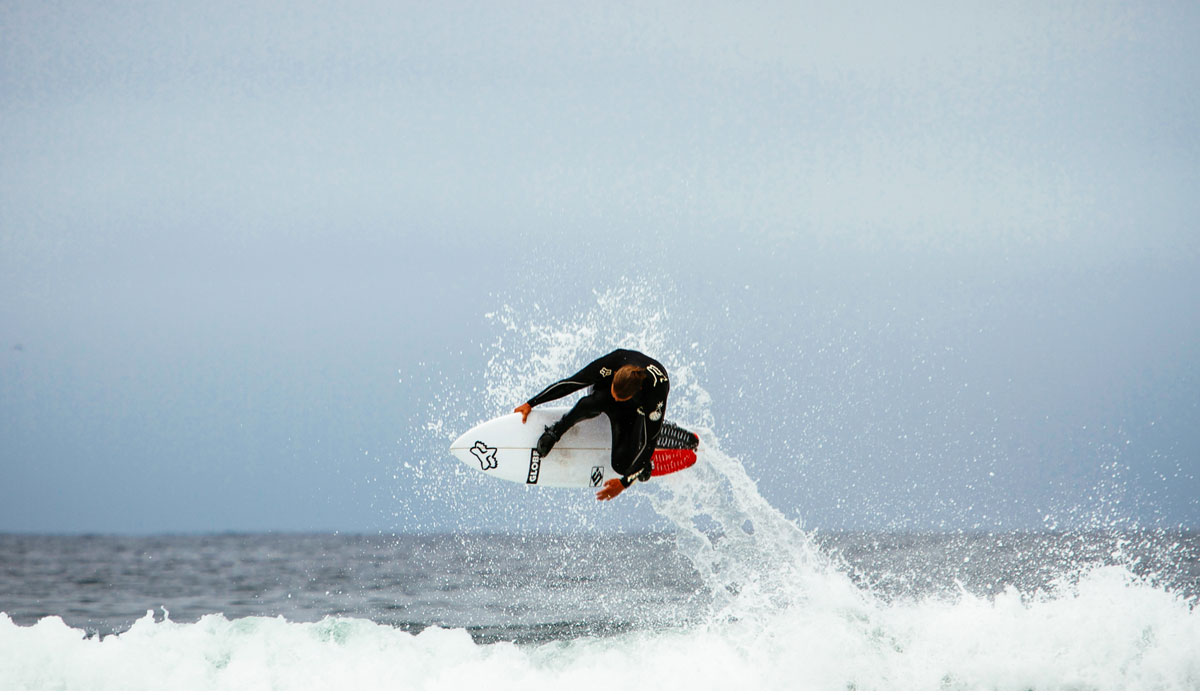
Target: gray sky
[934, 262]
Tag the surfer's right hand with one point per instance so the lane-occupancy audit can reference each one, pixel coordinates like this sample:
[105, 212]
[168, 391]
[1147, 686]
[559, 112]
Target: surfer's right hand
[523, 409]
[611, 489]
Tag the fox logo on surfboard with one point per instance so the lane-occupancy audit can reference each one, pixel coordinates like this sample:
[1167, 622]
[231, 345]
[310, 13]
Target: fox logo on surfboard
[486, 455]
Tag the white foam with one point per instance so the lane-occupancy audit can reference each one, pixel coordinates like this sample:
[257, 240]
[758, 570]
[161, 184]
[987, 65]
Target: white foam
[1108, 631]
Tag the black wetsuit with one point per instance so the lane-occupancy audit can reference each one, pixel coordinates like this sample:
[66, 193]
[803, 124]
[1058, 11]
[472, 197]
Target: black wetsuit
[635, 422]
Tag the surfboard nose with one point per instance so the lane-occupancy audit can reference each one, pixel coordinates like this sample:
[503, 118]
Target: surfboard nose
[465, 441]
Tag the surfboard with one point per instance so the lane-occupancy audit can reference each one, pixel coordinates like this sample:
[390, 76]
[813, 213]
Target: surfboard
[504, 448]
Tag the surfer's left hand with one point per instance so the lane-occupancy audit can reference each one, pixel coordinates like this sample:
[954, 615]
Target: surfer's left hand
[611, 489]
[524, 410]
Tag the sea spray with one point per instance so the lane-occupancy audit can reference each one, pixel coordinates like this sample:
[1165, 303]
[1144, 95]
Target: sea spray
[747, 550]
[755, 560]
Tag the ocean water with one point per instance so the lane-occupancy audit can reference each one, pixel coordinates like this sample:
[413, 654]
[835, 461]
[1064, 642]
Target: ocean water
[728, 593]
[713, 609]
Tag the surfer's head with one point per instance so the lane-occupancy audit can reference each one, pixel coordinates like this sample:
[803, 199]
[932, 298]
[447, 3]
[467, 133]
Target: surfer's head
[627, 381]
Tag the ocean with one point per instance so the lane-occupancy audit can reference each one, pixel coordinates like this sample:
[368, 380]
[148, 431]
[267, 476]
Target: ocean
[849, 611]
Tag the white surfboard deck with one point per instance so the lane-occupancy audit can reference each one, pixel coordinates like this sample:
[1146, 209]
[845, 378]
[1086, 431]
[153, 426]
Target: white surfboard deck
[503, 448]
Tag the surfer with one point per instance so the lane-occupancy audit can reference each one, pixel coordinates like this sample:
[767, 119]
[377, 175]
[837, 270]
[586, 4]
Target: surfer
[631, 389]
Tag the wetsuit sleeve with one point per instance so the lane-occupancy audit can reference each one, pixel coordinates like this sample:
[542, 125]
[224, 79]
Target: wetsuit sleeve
[642, 465]
[588, 376]
[650, 425]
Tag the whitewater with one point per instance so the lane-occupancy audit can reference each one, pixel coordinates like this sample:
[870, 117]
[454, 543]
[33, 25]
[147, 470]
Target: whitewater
[761, 602]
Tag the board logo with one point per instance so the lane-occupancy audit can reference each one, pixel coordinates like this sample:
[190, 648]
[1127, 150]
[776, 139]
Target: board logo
[535, 467]
[486, 456]
[597, 476]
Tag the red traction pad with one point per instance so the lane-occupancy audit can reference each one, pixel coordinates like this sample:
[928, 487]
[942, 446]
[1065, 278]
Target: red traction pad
[671, 460]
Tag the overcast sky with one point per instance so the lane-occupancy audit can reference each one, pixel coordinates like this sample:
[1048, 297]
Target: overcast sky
[934, 262]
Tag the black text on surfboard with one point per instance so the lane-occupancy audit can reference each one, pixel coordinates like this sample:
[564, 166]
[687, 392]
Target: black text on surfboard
[535, 467]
